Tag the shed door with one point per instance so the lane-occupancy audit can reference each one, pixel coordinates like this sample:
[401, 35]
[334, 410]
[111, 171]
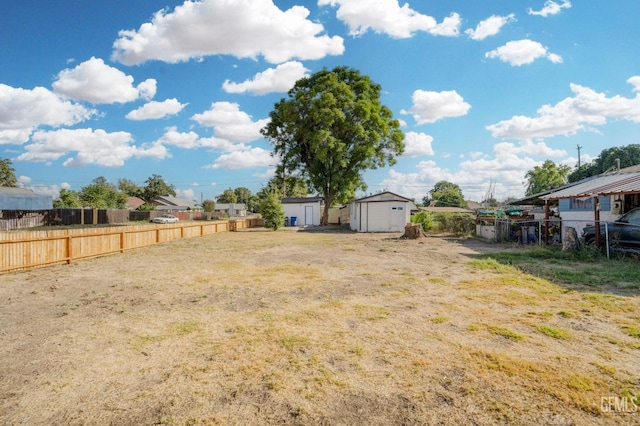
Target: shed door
[308, 215]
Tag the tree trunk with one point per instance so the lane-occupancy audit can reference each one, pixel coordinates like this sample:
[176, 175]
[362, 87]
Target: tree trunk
[413, 231]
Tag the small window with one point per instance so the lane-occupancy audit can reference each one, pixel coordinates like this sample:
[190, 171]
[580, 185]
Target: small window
[581, 203]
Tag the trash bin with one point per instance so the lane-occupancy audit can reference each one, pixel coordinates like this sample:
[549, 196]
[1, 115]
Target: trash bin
[294, 220]
[286, 221]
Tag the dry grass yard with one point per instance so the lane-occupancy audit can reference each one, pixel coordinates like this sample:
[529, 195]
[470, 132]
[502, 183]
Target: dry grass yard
[313, 328]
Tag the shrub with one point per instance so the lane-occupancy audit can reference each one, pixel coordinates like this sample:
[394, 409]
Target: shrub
[272, 212]
[423, 218]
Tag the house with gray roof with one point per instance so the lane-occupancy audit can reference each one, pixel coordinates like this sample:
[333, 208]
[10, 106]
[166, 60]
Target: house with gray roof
[23, 199]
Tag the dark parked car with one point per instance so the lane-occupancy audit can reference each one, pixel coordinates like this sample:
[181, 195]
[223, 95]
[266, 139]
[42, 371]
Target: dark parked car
[624, 233]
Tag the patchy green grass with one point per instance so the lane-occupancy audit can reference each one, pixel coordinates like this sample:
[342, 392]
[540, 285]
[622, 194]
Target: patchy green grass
[633, 331]
[584, 267]
[555, 332]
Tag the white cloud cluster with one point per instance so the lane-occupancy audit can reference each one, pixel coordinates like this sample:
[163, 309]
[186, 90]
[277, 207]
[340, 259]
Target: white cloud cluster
[230, 123]
[388, 17]
[550, 8]
[91, 147]
[96, 82]
[506, 167]
[429, 107]
[242, 28]
[155, 110]
[586, 109]
[23, 110]
[522, 52]
[279, 79]
[417, 144]
[490, 26]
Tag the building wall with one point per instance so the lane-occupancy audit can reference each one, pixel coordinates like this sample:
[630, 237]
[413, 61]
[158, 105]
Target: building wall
[579, 217]
[298, 210]
[389, 216]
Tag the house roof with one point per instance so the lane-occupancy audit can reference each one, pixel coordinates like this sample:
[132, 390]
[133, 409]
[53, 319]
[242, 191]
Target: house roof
[226, 206]
[446, 210]
[625, 181]
[300, 200]
[23, 199]
[8, 190]
[169, 201]
[134, 202]
[382, 197]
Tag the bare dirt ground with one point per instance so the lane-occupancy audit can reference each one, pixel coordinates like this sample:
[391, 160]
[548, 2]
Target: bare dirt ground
[326, 328]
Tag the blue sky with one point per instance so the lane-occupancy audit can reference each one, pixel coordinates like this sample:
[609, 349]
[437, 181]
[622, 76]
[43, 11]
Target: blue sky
[485, 90]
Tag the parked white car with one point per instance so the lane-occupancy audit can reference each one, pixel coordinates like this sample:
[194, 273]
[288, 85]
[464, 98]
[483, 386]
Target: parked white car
[165, 218]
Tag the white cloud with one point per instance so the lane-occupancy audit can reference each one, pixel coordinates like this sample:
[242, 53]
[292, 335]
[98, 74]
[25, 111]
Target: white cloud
[388, 17]
[253, 157]
[490, 26]
[155, 150]
[429, 107]
[550, 8]
[571, 115]
[230, 123]
[182, 140]
[23, 110]
[522, 52]
[91, 147]
[635, 82]
[186, 194]
[242, 28]
[99, 83]
[279, 79]
[155, 110]
[507, 166]
[417, 144]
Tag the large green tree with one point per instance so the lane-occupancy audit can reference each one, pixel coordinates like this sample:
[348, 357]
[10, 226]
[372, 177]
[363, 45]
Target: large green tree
[7, 174]
[242, 194]
[228, 196]
[332, 128]
[628, 155]
[101, 194]
[130, 188]
[68, 199]
[446, 194]
[547, 176]
[157, 187]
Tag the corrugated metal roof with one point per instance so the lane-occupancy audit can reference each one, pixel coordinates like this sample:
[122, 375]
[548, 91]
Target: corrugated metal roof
[619, 183]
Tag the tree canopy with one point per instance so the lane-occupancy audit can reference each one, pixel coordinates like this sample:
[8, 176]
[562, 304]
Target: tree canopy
[332, 128]
[101, 194]
[7, 174]
[157, 187]
[446, 194]
[228, 196]
[547, 176]
[628, 155]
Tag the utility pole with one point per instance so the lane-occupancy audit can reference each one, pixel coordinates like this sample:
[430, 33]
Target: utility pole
[579, 148]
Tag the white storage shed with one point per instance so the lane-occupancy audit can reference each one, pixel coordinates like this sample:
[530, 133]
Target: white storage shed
[384, 212]
[305, 211]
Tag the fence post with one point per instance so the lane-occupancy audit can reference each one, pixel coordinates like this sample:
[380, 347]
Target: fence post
[69, 249]
[122, 242]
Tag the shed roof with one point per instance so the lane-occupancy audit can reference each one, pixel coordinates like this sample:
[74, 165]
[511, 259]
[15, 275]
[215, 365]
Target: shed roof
[300, 200]
[382, 197]
[622, 182]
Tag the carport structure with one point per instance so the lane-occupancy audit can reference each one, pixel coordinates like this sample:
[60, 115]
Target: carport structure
[617, 183]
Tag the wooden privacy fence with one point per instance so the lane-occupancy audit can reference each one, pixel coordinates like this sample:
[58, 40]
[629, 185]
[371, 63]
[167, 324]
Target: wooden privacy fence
[33, 249]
